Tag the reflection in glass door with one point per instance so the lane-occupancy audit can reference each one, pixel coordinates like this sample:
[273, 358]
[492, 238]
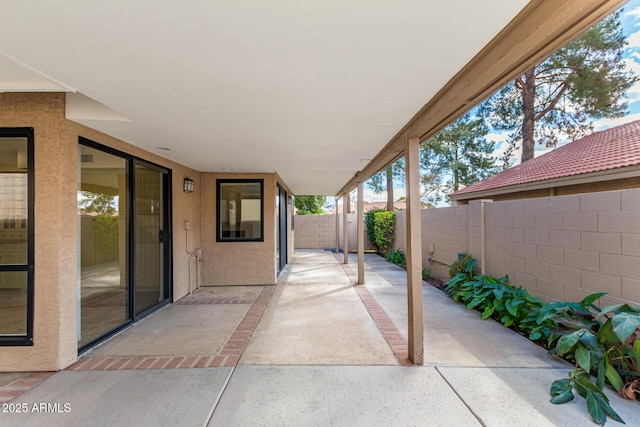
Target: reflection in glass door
[281, 208]
[16, 236]
[125, 248]
[103, 270]
[150, 237]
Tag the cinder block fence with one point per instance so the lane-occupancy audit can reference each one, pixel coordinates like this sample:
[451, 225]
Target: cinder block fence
[558, 248]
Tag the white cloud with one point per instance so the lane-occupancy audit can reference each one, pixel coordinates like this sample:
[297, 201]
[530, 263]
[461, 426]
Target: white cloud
[370, 196]
[633, 94]
[635, 13]
[609, 123]
[633, 40]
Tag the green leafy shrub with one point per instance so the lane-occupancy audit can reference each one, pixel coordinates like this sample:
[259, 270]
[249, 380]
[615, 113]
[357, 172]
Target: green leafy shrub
[396, 256]
[604, 342]
[426, 274]
[369, 224]
[380, 227]
[460, 265]
[495, 298]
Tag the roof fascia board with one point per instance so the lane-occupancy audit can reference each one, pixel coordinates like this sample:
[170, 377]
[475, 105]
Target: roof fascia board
[588, 178]
[542, 27]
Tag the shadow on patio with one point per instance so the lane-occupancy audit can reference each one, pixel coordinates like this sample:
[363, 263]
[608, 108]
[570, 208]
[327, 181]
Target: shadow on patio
[314, 350]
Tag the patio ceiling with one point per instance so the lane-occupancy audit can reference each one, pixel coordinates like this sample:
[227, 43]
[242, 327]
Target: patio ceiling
[312, 90]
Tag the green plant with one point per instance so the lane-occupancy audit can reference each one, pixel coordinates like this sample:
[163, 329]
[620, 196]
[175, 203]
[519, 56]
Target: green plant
[460, 265]
[369, 224]
[426, 274]
[380, 226]
[396, 256]
[495, 298]
[106, 228]
[606, 344]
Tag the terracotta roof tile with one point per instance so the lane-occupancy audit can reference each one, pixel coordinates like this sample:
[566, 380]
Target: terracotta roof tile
[613, 148]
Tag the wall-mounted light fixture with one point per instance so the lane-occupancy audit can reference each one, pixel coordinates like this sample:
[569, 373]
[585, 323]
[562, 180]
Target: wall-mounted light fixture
[188, 185]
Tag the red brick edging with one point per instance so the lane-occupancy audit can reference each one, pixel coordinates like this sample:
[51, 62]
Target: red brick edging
[229, 354]
[391, 334]
[17, 387]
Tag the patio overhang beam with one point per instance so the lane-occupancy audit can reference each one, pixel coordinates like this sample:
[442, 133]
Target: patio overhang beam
[541, 28]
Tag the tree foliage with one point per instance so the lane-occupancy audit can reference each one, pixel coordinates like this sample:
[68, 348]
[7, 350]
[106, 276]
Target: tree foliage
[309, 205]
[457, 156]
[380, 227]
[560, 97]
[383, 181]
[99, 203]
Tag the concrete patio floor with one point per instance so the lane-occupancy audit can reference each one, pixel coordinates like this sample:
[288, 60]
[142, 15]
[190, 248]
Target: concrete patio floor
[315, 350]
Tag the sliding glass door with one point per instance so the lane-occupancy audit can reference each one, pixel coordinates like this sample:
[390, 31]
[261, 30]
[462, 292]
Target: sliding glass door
[124, 254]
[150, 237]
[103, 221]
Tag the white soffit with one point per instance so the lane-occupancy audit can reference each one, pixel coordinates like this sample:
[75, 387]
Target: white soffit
[304, 88]
[18, 77]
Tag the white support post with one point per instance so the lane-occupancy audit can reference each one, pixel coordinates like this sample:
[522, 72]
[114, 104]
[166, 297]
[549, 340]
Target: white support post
[345, 229]
[360, 219]
[414, 252]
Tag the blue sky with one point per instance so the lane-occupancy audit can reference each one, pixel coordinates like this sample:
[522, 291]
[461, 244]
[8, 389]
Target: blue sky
[631, 26]
[630, 20]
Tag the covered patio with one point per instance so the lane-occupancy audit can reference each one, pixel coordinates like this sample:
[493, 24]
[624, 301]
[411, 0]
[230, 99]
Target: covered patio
[317, 349]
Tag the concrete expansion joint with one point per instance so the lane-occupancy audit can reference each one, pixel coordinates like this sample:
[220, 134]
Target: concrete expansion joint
[459, 396]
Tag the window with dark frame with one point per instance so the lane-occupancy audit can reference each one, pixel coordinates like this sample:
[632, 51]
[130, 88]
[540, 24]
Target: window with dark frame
[240, 210]
[16, 236]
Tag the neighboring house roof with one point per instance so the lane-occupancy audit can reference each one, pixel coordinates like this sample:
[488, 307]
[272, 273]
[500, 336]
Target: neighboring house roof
[398, 205]
[614, 148]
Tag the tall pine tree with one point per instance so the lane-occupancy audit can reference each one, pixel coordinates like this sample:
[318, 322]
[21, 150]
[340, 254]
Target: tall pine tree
[584, 81]
[456, 156]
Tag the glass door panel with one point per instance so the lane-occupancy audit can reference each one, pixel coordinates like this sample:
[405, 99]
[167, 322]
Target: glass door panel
[282, 228]
[102, 215]
[149, 237]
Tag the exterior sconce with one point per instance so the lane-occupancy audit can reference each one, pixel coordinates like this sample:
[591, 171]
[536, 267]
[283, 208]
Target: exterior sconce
[188, 185]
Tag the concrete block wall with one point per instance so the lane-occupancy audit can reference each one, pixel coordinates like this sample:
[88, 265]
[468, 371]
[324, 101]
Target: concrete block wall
[558, 248]
[566, 247]
[315, 231]
[445, 231]
[319, 232]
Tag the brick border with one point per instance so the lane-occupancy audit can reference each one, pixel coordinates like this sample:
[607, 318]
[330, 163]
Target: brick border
[390, 333]
[21, 385]
[229, 354]
[208, 301]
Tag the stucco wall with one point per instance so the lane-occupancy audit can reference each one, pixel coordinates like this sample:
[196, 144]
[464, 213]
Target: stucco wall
[55, 188]
[56, 180]
[238, 263]
[186, 206]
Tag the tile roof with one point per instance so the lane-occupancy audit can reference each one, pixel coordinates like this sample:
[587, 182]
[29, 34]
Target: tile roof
[613, 148]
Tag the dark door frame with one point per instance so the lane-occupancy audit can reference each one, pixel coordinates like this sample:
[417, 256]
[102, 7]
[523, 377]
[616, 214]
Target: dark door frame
[167, 254]
[282, 228]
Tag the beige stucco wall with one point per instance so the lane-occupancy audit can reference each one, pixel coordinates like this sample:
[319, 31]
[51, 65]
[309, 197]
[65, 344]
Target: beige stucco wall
[559, 248]
[56, 178]
[238, 263]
